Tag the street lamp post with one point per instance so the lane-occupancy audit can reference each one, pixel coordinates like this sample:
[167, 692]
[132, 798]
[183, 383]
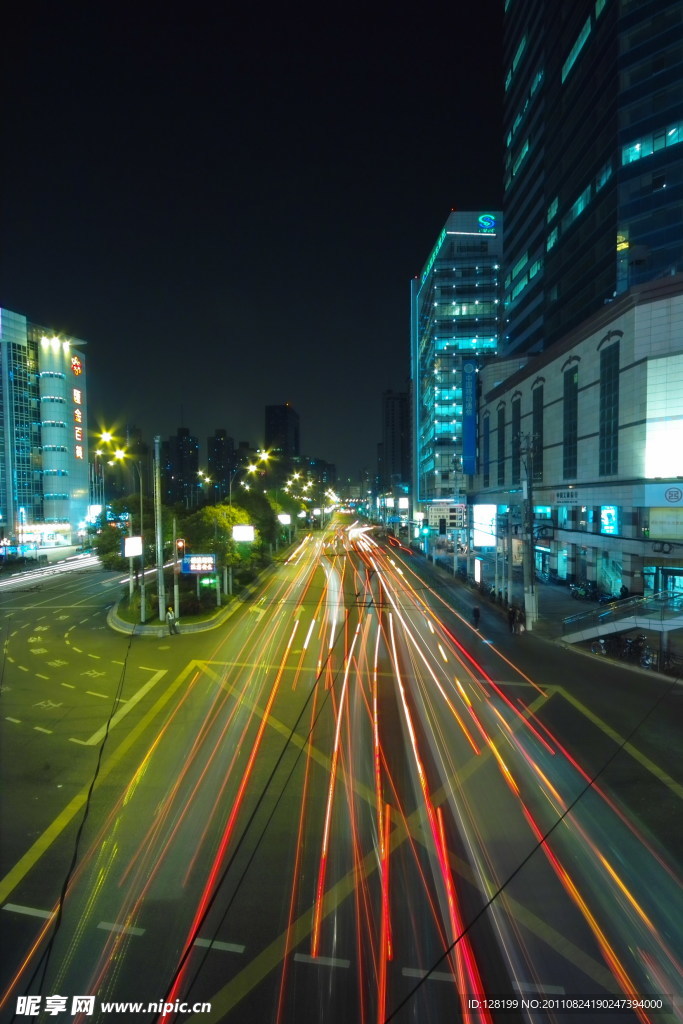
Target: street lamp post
[120, 455]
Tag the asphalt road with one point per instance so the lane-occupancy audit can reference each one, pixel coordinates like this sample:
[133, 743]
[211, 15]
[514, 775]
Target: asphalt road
[347, 804]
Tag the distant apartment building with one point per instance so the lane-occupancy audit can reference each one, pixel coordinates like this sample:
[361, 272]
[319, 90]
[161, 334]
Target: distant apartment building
[44, 485]
[180, 460]
[282, 430]
[220, 452]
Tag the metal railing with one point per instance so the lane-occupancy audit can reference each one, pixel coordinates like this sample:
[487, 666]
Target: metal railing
[659, 607]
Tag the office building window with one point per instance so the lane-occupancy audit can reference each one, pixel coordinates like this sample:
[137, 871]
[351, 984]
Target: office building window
[501, 446]
[570, 432]
[537, 431]
[516, 426]
[608, 435]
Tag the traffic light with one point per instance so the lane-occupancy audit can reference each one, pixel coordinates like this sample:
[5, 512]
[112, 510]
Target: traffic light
[180, 547]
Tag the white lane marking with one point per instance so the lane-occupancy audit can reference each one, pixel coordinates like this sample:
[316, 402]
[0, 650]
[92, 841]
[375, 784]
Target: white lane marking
[415, 972]
[74, 648]
[17, 721]
[536, 988]
[98, 736]
[120, 929]
[17, 908]
[226, 947]
[39, 728]
[118, 663]
[23, 668]
[69, 686]
[41, 676]
[322, 961]
[93, 694]
[93, 655]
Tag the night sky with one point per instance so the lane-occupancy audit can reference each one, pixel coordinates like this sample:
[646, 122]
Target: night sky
[228, 204]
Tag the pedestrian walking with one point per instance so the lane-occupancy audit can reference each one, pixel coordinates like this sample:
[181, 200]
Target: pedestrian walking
[475, 617]
[512, 612]
[172, 621]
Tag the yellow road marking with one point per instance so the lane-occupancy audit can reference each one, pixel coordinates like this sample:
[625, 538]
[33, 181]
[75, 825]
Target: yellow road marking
[654, 769]
[16, 874]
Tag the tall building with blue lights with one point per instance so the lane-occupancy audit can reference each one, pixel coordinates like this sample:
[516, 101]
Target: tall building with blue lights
[455, 323]
[44, 484]
[593, 178]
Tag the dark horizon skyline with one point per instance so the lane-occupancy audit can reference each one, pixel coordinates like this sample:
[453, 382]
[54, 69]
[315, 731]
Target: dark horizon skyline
[229, 210]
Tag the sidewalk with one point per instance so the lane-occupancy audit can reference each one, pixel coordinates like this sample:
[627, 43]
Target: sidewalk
[555, 605]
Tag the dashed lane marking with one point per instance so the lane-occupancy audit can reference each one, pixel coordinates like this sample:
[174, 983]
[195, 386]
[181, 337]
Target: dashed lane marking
[224, 947]
[17, 908]
[321, 961]
[116, 718]
[94, 694]
[120, 929]
[41, 676]
[23, 668]
[39, 728]
[415, 972]
[93, 655]
[78, 649]
[43, 843]
[69, 686]
[17, 721]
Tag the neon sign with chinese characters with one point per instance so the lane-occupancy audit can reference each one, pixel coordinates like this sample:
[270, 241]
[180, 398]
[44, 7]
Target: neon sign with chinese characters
[77, 396]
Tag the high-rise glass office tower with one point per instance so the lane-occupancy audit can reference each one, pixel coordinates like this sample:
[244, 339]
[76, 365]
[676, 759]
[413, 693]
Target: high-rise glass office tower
[593, 180]
[455, 314]
[44, 487]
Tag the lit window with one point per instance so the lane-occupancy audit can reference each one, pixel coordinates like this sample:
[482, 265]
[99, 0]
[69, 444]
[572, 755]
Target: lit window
[576, 49]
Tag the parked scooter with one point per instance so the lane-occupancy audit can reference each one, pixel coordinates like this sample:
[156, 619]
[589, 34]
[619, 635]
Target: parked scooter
[583, 591]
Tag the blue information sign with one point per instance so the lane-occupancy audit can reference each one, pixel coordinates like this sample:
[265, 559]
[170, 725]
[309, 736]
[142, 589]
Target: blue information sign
[198, 564]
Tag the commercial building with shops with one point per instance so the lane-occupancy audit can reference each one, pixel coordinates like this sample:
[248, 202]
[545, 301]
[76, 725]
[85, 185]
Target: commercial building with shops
[589, 434]
[455, 322]
[44, 485]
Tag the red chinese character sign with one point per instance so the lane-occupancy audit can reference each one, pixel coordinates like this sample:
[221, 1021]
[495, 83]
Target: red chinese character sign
[76, 366]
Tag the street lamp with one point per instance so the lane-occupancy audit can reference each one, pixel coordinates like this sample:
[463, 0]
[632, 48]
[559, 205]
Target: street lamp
[251, 468]
[120, 455]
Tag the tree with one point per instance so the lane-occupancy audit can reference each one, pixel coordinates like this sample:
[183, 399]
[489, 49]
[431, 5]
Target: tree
[209, 530]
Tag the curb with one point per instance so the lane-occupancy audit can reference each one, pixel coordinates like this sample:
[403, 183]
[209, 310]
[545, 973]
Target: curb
[119, 625]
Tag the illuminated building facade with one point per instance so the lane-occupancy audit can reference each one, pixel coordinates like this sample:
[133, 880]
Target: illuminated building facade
[455, 322]
[593, 180]
[44, 490]
[594, 426]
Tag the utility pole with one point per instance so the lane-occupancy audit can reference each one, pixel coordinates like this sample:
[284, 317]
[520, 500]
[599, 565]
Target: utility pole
[526, 449]
[157, 529]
